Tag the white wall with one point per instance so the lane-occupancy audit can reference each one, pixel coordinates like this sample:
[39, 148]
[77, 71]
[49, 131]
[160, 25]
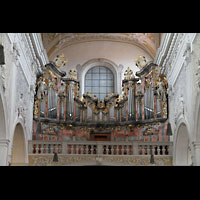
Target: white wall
[117, 52]
[17, 80]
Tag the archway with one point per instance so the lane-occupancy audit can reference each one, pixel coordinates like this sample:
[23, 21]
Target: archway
[18, 157]
[182, 151]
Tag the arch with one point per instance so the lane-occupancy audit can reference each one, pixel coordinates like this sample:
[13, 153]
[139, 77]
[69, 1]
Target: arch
[18, 154]
[114, 68]
[182, 153]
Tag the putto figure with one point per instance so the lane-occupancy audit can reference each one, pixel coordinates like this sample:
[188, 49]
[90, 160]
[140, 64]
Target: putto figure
[60, 61]
[72, 74]
[141, 61]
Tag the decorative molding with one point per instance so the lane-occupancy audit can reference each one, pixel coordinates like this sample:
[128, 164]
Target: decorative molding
[74, 160]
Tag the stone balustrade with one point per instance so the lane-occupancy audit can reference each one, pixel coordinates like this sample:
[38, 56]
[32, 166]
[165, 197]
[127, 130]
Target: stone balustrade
[100, 148]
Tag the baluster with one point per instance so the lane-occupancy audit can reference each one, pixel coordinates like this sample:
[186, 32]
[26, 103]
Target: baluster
[112, 150]
[77, 149]
[87, 149]
[117, 149]
[158, 150]
[107, 149]
[153, 150]
[91, 149]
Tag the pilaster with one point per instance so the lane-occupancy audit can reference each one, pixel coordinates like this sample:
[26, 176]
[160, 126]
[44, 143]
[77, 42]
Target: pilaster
[196, 146]
[4, 144]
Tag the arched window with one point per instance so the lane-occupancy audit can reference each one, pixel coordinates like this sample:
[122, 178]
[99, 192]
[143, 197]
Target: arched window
[99, 81]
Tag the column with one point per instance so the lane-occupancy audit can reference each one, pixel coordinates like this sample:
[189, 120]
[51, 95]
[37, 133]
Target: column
[196, 159]
[4, 152]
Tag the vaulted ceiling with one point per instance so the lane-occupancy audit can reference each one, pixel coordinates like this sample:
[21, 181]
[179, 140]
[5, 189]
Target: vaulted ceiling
[57, 41]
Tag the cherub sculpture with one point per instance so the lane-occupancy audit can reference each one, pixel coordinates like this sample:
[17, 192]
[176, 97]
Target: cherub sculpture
[141, 61]
[72, 74]
[60, 61]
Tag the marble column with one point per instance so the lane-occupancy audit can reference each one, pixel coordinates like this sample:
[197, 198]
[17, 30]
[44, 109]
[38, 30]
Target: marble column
[4, 144]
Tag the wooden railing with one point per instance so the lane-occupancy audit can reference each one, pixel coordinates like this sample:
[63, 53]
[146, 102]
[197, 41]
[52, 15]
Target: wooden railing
[100, 148]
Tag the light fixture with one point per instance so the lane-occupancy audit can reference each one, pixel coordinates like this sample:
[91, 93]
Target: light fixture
[152, 159]
[169, 129]
[55, 157]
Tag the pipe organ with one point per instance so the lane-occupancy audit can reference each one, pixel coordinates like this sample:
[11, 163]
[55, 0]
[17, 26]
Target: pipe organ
[138, 113]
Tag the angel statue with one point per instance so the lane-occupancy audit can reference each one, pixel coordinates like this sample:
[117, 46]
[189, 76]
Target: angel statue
[161, 90]
[42, 90]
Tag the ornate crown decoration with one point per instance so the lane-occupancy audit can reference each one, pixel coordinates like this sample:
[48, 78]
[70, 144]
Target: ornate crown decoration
[128, 74]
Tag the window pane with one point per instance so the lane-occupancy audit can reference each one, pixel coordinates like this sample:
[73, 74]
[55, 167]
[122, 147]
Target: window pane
[88, 76]
[102, 83]
[109, 90]
[109, 76]
[109, 82]
[95, 76]
[88, 89]
[88, 83]
[95, 89]
[95, 83]
[102, 89]
[102, 76]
